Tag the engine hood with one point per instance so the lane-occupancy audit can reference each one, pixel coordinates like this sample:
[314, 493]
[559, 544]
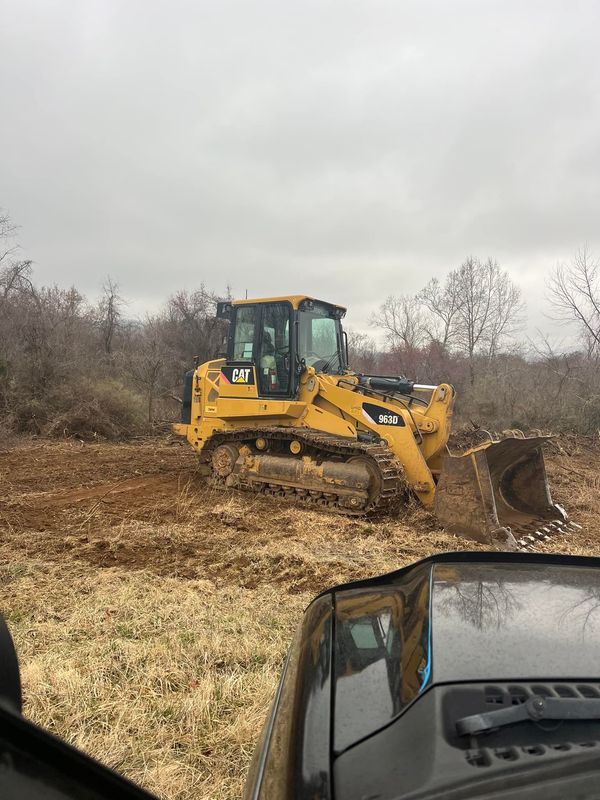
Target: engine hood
[383, 673]
[460, 618]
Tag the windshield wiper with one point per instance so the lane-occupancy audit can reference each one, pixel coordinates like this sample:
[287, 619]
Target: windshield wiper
[534, 709]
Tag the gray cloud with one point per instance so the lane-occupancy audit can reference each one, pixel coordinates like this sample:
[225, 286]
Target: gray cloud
[346, 148]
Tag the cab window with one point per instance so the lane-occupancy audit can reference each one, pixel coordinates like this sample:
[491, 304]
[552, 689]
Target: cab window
[274, 356]
[245, 333]
[320, 339]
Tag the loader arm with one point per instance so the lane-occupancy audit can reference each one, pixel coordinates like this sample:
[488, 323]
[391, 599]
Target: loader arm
[415, 433]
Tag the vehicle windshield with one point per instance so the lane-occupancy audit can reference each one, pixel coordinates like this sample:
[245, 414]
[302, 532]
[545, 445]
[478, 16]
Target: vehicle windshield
[320, 339]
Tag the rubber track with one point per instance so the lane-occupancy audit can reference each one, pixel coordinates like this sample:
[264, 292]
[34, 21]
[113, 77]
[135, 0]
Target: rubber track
[322, 445]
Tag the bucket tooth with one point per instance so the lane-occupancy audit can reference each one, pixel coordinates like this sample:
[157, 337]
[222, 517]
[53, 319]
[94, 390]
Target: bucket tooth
[527, 547]
[562, 512]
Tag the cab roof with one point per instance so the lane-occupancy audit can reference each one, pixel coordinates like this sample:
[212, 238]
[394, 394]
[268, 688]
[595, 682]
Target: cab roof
[294, 299]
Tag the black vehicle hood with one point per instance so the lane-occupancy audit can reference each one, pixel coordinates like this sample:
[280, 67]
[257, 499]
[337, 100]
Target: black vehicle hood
[515, 622]
[386, 678]
[460, 617]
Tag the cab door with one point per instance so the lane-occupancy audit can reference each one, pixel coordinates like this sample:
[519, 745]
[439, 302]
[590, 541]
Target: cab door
[274, 357]
[238, 376]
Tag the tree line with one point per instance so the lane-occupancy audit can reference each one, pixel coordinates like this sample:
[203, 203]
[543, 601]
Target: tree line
[468, 330]
[69, 367]
[475, 311]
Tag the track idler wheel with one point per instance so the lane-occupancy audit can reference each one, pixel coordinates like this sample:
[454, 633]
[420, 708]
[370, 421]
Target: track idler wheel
[224, 459]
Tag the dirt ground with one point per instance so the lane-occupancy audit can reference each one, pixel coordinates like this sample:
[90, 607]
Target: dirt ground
[152, 613]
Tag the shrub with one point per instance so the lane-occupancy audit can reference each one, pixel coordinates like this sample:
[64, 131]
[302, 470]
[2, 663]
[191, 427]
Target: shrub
[91, 409]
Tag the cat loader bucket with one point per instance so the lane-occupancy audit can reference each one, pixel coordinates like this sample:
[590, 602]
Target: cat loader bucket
[497, 493]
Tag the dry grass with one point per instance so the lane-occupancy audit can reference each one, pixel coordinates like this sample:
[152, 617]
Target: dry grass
[164, 679]
[152, 615]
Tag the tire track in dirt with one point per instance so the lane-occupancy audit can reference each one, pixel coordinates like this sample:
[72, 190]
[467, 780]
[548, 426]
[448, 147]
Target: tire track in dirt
[57, 489]
[133, 507]
[143, 507]
[167, 522]
[44, 500]
[147, 497]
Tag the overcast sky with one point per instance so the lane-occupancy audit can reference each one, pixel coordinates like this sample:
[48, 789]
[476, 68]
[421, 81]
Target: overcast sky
[348, 149]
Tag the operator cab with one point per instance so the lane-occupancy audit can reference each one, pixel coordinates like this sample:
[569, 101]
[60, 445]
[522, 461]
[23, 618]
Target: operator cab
[280, 337]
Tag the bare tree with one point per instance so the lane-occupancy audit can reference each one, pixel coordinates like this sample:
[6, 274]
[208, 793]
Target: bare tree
[403, 322]
[146, 360]
[15, 274]
[15, 282]
[564, 368]
[109, 313]
[481, 603]
[362, 350]
[53, 332]
[574, 292]
[489, 310]
[191, 329]
[443, 302]
[7, 234]
[507, 313]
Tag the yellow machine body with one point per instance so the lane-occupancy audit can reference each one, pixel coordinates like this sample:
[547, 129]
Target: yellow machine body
[344, 440]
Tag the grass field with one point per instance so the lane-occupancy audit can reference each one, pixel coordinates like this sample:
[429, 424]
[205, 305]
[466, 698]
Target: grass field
[152, 614]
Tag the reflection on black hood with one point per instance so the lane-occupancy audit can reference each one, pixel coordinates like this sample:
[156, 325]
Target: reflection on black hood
[450, 622]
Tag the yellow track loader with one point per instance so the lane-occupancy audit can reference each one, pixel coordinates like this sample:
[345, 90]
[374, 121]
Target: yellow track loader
[284, 415]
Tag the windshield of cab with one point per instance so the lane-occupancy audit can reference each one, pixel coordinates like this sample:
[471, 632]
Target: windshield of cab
[320, 339]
